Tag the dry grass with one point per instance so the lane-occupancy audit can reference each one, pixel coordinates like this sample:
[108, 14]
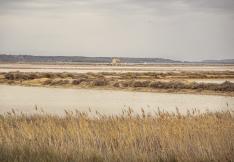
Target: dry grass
[128, 137]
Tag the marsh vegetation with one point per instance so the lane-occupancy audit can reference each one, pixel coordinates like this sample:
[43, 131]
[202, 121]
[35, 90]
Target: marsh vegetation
[127, 137]
[173, 82]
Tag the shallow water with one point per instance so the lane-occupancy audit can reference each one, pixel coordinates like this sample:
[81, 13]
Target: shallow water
[105, 68]
[55, 100]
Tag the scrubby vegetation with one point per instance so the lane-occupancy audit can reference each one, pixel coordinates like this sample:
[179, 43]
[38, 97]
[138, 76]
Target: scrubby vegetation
[152, 81]
[77, 81]
[123, 76]
[127, 137]
[99, 82]
[225, 86]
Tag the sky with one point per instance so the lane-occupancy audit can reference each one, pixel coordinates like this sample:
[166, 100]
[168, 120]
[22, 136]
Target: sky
[189, 30]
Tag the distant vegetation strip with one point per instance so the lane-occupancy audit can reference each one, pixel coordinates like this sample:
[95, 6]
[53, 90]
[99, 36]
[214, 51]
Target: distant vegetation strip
[83, 59]
[168, 81]
[129, 137]
[80, 59]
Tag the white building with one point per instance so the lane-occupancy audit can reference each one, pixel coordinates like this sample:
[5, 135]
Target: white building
[115, 61]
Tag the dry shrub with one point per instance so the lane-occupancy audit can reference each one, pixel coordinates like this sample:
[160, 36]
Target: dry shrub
[157, 84]
[116, 84]
[47, 82]
[126, 83]
[65, 75]
[140, 83]
[77, 81]
[177, 85]
[59, 82]
[100, 76]
[9, 76]
[226, 86]
[99, 82]
[80, 76]
[108, 73]
[129, 75]
[50, 75]
[20, 76]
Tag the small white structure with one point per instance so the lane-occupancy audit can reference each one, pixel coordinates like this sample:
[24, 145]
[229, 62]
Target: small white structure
[115, 61]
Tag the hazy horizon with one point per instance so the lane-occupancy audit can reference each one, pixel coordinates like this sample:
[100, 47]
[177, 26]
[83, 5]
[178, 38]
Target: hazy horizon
[184, 30]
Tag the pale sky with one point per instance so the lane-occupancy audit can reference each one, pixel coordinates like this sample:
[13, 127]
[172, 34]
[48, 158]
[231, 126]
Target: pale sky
[174, 29]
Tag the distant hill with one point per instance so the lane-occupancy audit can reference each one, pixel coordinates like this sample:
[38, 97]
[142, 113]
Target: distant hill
[80, 59]
[225, 61]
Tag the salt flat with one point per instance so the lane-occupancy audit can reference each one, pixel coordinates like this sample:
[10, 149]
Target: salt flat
[80, 68]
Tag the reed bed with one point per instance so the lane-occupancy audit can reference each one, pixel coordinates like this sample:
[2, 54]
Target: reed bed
[128, 137]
